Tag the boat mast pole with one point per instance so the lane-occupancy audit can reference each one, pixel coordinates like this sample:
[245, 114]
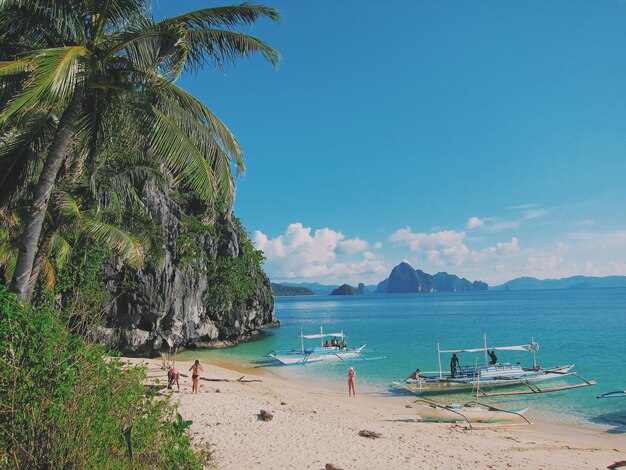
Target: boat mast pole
[301, 341]
[439, 358]
[532, 342]
[485, 341]
[322, 336]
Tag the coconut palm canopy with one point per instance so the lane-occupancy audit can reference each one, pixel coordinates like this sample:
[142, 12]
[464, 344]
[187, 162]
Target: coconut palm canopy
[74, 71]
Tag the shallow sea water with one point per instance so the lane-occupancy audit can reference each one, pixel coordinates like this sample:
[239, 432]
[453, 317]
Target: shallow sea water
[584, 327]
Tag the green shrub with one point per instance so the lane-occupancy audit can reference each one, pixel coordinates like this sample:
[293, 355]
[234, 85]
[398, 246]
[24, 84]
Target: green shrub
[64, 404]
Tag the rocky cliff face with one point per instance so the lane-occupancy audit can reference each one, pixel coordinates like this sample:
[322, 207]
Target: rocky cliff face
[207, 291]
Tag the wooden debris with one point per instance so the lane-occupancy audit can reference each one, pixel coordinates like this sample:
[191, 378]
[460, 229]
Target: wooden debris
[283, 402]
[621, 463]
[370, 434]
[331, 466]
[265, 415]
[240, 379]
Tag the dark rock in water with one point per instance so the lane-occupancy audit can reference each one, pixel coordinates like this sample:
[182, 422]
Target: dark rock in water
[361, 289]
[207, 291]
[344, 289]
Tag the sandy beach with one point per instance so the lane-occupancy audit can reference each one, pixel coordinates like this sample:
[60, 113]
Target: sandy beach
[313, 426]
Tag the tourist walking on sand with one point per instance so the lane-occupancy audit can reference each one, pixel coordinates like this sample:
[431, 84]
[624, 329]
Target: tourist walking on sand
[351, 386]
[195, 375]
[172, 378]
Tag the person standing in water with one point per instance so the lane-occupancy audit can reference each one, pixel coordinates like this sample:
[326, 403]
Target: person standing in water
[494, 358]
[195, 375]
[351, 386]
[454, 363]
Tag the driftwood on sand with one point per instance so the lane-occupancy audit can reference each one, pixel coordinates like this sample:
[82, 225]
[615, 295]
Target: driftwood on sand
[370, 434]
[240, 379]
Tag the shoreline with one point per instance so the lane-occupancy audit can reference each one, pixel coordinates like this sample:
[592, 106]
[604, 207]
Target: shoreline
[316, 423]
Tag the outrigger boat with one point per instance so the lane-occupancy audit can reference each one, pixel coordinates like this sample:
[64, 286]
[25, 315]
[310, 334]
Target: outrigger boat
[617, 394]
[491, 376]
[473, 412]
[322, 353]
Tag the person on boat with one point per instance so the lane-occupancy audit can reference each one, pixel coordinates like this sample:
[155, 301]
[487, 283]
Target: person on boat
[326, 344]
[494, 358]
[414, 376]
[454, 363]
[344, 345]
[172, 378]
[195, 375]
[351, 385]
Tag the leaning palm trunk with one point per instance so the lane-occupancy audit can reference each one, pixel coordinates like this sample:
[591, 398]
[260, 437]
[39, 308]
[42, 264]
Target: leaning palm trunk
[34, 219]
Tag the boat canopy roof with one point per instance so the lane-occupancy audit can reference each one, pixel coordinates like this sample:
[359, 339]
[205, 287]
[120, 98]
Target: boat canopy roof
[318, 336]
[521, 347]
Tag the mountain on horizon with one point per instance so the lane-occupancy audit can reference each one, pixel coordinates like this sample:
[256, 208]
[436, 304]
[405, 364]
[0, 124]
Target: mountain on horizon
[573, 282]
[405, 279]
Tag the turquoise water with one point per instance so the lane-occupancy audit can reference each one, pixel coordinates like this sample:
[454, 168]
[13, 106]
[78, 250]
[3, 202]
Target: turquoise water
[584, 327]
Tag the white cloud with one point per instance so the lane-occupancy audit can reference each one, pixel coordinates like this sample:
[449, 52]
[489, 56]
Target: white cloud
[474, 222]
[378, 245]
[353, 245]
[321, 255]
[440, 247]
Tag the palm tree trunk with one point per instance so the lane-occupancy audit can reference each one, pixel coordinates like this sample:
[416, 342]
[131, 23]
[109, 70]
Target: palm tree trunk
[34, 220]
[42, 252]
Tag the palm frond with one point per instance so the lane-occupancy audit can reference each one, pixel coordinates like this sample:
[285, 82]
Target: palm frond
[47, 274]
[174, 100]
[220, 47]
[60, 250]
[68, 206]
[55, 73]
[181, 154]
[125, 245]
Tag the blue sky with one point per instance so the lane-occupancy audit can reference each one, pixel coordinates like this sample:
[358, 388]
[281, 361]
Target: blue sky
[485, 139]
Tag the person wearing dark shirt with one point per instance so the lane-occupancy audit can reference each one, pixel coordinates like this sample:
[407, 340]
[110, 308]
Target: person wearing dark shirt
[454, 363]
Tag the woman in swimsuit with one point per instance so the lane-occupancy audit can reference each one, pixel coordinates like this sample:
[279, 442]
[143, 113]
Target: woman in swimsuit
[195, 375]
[351, 386]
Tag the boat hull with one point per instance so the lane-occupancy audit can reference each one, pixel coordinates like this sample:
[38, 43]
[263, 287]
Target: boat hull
[486, 379]
[317, 355]
[467, 413]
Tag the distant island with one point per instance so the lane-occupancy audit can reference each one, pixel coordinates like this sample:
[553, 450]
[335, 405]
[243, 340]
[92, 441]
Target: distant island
[573, 282]
[404, 279]
[281, 290]
[344, 289]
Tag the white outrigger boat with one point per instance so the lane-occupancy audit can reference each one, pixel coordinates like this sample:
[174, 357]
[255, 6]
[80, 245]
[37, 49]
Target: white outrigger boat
[322, 353]
[473, 412]
[489, 376]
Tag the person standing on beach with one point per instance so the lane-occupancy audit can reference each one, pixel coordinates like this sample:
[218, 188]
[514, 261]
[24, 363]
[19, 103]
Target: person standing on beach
[454, 363]
[172, 378]
[195, 375]
[351, 385]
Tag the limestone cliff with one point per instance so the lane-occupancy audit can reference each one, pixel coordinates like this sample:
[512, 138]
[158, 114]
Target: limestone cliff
[208, 290]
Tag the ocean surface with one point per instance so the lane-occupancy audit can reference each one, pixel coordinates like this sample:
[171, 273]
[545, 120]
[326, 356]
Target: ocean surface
[584, 327]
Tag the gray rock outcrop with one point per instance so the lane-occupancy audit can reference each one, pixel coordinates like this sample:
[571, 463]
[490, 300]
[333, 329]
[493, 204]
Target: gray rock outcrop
[207, 291]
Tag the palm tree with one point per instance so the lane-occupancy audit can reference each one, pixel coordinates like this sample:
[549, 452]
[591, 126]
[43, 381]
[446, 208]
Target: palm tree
[75, 63]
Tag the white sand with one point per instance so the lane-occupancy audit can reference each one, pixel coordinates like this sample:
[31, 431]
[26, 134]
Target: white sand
[319, 426]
